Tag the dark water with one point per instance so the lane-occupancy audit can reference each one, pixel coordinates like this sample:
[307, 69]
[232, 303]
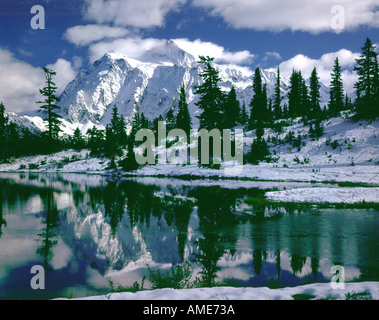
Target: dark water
[84, 231]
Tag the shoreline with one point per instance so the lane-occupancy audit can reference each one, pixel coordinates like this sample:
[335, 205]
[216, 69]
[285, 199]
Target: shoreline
[314, 291]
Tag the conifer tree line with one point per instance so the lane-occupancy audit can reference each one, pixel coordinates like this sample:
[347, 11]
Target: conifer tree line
[218, 109]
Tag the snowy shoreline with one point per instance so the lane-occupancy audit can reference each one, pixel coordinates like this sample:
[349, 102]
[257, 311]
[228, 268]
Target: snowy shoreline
[315, 291]
[339, 183]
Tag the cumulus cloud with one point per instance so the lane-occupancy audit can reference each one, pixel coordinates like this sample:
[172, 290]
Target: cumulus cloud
[324, 66]
[132, 47]
[295, 15]
[84, 35]
[140, 14]
[272, 55]
[20, 82]
[65, 73]
[135, 46]
[198, 48]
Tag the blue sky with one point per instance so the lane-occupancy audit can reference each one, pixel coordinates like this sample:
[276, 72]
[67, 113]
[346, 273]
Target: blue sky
[292, 33]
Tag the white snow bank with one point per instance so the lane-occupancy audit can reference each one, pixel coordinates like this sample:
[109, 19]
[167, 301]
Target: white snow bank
[318, 290]
[265, 171]
[326, 195]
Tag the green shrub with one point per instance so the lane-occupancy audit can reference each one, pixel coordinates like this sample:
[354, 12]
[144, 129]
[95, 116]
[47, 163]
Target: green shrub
[33, 166]
[176, 278]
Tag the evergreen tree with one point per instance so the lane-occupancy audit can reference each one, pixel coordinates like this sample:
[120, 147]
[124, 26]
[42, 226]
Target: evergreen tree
[366, 91]
[244, 116]
[3, 124]
[95, 141]
[336, 102]
[170, 120]
[183, 118]
[258, 104]
[211, 97]
[144, 121]
[232, 109]
[129, 163]
[114, 134]
[136, 124]
[295, 94]
[115, 119]
[277, 98]
[155, 123]
[316, 129]
[314, 86]
[78, 142]
[259, 150]
[13, 140]
[348, 103]
[111, 146]
[49, 108]
[123, 137]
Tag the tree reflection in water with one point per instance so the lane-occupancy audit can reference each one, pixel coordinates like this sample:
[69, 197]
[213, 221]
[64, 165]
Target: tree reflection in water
[211, 227]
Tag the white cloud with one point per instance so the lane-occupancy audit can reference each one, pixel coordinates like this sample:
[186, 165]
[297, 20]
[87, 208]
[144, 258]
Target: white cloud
[132, 47]
[305, 15]
[324, 66]
[135, 13]
[272, 55]
[20, 82]
[198, 48]
[84, 35]
[65, 73]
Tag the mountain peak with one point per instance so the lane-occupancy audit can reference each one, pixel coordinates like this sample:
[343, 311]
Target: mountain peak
[169, 52]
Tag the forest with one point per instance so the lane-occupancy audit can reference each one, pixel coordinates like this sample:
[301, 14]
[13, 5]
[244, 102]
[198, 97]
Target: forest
[218, 110]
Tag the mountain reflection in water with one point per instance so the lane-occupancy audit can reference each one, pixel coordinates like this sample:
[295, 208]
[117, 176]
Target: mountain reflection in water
[85, 230]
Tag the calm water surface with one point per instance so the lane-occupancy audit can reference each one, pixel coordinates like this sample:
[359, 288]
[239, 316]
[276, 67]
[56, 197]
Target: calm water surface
[85, 230]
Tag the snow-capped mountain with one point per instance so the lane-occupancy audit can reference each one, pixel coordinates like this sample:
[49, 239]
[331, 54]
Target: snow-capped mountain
[150, 83]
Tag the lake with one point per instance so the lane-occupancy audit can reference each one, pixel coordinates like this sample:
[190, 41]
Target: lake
[87, 230]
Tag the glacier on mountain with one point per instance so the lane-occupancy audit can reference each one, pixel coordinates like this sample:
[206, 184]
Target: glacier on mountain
[149, 84]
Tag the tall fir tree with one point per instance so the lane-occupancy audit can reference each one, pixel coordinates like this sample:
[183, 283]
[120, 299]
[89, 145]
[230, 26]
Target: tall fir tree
[50, 108]
[259, 149]
[211, 97]
[295, 94]
[366, 89]
[77, 141]
[314, 93]
[336, 101]
[183, 118]
[232, 109]
[170, 120]
[129, 163]
[95, 141]
[258, 104]
[244, 116]
[277, 98]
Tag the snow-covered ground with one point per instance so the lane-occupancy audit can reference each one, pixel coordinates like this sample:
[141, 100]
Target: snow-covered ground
[347, 152]
[317, 290]
[326, 195]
